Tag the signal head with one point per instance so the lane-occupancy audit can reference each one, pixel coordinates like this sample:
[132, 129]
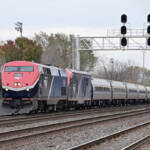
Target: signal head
[124, 18]
[124, 41]
[148, 41]
[148, 29]
[123, 30]
[148, 18]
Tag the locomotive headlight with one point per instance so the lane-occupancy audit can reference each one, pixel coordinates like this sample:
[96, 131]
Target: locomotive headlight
[27, 89]
[15, 84]
[19, 83]
[6, 89]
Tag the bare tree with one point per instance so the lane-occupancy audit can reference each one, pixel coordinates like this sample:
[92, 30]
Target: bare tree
[59, 50]
[120, 71]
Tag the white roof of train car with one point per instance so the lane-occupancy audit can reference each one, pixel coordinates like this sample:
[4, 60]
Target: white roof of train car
[148, 88]
[131, 86]
[100, 82]
[140, 87]
[118, 84]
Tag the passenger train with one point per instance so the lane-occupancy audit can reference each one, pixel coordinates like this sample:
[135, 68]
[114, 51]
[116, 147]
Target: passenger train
[32, 87]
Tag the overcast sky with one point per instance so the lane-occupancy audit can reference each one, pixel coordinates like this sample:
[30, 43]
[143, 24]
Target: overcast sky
[79, 17]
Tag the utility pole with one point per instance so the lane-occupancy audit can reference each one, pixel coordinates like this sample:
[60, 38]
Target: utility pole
[143, 72]
[19, 27]
[78, 53]
[112, 68]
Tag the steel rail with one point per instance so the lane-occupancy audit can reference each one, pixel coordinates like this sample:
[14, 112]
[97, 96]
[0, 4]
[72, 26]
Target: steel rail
[49, 117]
[30, 134]
[20, 121]
[135, 145]
[98, 141]
[17, 118]
[23, 116]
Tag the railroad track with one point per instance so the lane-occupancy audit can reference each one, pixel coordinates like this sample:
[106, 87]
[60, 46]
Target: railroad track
[135, 145]
[8, 119]
[9, 122]
[21, 120]
[108, 109]
[30, 135]
[99, 141]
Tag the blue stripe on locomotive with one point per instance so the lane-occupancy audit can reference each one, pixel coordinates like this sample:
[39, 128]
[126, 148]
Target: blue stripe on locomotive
[20, 94]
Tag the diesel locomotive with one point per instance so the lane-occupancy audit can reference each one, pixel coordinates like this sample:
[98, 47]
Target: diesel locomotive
[32, 87]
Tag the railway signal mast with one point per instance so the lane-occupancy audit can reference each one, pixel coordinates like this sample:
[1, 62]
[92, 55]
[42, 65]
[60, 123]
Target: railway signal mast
[123, 39]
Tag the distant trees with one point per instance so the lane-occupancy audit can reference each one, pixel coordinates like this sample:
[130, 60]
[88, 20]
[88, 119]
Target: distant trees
[29, 50]
[9, 51]
[120, 71]
[59, 50]
[55, 49]
[20, 49]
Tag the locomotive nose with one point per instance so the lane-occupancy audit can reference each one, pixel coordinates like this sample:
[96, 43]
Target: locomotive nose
[19, 80]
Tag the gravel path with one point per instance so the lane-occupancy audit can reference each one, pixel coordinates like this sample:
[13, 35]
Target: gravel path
[66, 139]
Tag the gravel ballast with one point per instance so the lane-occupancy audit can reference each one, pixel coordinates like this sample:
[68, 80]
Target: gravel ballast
[67, 139]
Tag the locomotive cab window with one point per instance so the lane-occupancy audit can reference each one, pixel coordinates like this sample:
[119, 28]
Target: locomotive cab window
[19, 69]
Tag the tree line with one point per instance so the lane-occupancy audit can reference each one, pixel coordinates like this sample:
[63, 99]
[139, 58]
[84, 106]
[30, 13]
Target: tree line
[59, 50]
[55, 49]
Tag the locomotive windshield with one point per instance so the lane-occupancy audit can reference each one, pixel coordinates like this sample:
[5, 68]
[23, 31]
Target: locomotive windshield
[19, 69]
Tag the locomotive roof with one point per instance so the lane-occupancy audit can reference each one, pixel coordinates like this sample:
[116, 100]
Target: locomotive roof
[54, 70]
[19, 63]
[46, 66]
[79, 72]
